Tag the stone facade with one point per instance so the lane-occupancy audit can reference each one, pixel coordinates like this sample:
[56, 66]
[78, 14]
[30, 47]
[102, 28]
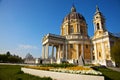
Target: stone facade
[74, 45]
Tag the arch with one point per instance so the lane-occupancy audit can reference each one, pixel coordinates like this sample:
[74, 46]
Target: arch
[98, 26]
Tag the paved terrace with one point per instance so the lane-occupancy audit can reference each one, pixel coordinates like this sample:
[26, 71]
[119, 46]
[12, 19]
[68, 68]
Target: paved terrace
[61, 76]
[114, 68]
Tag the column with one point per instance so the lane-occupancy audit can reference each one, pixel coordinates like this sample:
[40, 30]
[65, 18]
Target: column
[77, 52]
[66, 51]
[47, 51]
[43, 52]
[82, 50]
[95, 52]
[91, 52]
[63, 52]
[52, 51]
[81, 58]
[52, 59]
[58, 52]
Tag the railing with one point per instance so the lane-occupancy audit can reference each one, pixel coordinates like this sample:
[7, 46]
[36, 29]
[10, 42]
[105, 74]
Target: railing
[54, 35]
[72, 36]
[75, 37]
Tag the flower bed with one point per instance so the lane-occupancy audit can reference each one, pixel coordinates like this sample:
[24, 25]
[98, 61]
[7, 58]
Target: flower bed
[77, 70]
[91, 72]
[73, 70]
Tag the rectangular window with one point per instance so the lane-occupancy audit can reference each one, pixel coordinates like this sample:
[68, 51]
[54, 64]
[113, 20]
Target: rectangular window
[71, 29]
[71, 45]
[93, 57]
[86, 46]
[81, 31]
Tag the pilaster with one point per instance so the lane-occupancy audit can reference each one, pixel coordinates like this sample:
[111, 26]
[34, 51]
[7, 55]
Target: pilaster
[95, 52]
[103, 50]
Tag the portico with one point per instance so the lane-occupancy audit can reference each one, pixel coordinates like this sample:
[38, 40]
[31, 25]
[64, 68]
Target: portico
[56, 42]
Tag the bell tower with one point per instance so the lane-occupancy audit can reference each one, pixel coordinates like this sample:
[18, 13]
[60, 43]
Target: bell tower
[99, 22]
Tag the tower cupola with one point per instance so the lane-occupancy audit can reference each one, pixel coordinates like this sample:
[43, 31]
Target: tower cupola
[99, 21]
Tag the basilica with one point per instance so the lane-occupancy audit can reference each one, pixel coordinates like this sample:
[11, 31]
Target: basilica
[74, 45]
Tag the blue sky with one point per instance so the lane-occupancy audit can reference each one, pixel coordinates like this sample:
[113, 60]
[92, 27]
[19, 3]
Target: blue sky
[23, 23]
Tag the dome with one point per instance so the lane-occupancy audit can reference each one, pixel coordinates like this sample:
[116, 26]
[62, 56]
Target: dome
[73, 15]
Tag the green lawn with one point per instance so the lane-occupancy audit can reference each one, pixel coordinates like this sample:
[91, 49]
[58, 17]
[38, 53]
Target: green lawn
[109, 74]
[13, 72]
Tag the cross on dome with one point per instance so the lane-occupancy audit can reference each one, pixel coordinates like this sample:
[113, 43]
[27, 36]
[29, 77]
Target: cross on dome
[73, 9]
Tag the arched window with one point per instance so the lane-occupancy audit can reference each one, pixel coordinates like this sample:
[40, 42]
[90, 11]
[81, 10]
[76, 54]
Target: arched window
[98, 27]
[71, 29]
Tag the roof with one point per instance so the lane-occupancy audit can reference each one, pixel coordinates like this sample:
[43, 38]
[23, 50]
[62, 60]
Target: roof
[74, 15]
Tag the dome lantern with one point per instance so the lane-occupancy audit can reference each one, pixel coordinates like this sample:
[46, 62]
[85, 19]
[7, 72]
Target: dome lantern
[73, 9]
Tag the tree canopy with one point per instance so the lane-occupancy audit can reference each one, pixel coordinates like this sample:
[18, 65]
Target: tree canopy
[9, 58]
[115, 52]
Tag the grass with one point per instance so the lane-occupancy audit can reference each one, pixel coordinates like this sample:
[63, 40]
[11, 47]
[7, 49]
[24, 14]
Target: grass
[13, 72]
[108, 73]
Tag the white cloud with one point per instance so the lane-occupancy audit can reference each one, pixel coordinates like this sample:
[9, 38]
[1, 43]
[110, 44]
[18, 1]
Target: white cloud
[22, 50]
[23, 46]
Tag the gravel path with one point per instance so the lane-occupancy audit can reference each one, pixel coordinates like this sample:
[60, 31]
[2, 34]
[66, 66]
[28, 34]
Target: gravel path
[61, 76]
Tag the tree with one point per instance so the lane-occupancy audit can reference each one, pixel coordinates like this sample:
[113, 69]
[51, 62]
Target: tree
[115, 52]
[28, 56]
[10, 58]
[8, 53]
